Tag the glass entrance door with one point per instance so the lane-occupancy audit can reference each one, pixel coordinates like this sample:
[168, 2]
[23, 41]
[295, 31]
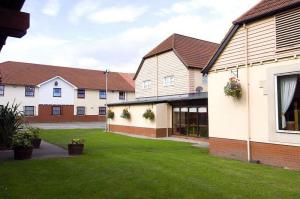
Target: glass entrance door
[190, 121]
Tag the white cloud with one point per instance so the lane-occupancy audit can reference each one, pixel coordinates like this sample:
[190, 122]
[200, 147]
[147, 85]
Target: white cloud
[117, 14]
[51, 8]
[82, 8]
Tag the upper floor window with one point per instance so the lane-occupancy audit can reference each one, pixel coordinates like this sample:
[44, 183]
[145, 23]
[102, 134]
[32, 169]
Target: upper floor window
[80, 110]
[80, 93]
[146, 84]
[288, 103]
[102, 94]
[122, 95]
[168, 81]
[56, 110]
[29, 91]
[29, 110]
[287, 29]
[2, 87]
[102, 110]
[56, 92]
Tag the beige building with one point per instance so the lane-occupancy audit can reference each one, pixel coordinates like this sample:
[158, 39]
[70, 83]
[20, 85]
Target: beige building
[60, 94]
[262, 50]
[169, 82]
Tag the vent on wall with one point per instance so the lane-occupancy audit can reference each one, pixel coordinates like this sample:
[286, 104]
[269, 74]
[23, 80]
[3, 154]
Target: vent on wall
[287, 29]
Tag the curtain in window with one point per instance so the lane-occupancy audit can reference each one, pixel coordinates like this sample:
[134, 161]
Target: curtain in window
[287, 89]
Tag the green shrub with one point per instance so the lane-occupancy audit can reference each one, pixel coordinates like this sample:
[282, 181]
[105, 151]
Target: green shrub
[149, 115]
[11, 121]
[77, 141]
[35, 131]
[125, 114]
[22, 139]
[233, 88]
[110, 114]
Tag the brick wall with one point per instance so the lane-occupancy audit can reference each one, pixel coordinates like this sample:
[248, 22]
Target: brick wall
[149, 132]
[67, 115]
[271, 154]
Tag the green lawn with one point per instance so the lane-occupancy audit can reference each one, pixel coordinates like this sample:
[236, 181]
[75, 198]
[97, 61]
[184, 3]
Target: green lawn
[115, 166]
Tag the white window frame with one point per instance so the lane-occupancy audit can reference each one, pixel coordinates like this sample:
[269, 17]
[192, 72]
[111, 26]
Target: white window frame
[84, 110]
[104, 108]
[168, 80]
[276, 103]
[32, 110]
[146, 84]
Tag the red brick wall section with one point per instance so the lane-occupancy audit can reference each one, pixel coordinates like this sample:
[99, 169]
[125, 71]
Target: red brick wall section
[276, 154]
[234, 149]
[270, 154]
[149, 132]
[67, 115]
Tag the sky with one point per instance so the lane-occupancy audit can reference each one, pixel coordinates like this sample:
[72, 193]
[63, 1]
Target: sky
[115, 35]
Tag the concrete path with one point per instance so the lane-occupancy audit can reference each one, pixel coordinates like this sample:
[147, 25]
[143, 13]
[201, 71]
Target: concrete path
[70, 125]
[196, 143]
[45, 151]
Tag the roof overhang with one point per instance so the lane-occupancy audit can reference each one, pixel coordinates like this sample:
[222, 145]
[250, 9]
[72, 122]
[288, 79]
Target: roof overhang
[57, 77]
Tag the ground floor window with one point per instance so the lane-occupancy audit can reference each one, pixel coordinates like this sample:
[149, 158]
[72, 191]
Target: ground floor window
[56, 110]
[29, 110]
[102, 110]
[2, 90]
[190, 121]
[80, 110]
[288, 103]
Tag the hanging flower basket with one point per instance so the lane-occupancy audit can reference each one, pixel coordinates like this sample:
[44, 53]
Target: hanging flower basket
[125, 114]
[110, 114]
[233, 88]
[149, 115]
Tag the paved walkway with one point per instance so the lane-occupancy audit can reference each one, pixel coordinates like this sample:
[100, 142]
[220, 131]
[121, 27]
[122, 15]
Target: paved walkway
[196, 143]
[70, 125]
[45, 151]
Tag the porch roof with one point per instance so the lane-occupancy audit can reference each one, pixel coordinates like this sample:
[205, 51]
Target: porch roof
[163, 99]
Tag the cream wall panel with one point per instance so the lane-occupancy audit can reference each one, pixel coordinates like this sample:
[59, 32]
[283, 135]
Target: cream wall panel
[17, 94]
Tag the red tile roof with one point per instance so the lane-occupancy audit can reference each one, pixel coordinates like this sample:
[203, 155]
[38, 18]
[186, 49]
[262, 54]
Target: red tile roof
[17, 73]
[265, 8]
[194, 53]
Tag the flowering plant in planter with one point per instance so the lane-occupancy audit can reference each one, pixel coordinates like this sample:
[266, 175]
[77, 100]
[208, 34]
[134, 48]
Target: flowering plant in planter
[233, 88]
[36, 140]
[149, 115]
[76, 146]
[22, 145]
[110, 114]
[125, 114]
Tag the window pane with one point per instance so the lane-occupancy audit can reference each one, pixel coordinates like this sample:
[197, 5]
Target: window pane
[80, 110]
[81, 93]
[122, 95]
[102, 110]
[56, 92]
[288, 89]
[29, 110]
[29, 91]
[102, 94]
[2, 90]
[56, 110]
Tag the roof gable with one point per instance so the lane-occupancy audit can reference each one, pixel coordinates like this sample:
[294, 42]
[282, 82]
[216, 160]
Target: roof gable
[261, 10]
[192, 52]
[57, 77]
[17, 73]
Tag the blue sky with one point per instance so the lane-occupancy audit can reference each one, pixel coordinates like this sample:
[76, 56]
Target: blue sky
[100, 34]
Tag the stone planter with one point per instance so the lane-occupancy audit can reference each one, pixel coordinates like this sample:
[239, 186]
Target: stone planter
[75, 149]
[22, 153]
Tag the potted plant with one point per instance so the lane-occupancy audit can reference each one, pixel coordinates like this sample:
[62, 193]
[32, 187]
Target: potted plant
[125, 114]
[22, 145]
[76, 147]
[11, 121]
[149, 115]
[110, 114]
[36, 140]
[233, 88]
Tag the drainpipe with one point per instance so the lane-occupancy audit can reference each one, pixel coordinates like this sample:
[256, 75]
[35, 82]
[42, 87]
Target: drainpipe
[248, 97]
[156, 76]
